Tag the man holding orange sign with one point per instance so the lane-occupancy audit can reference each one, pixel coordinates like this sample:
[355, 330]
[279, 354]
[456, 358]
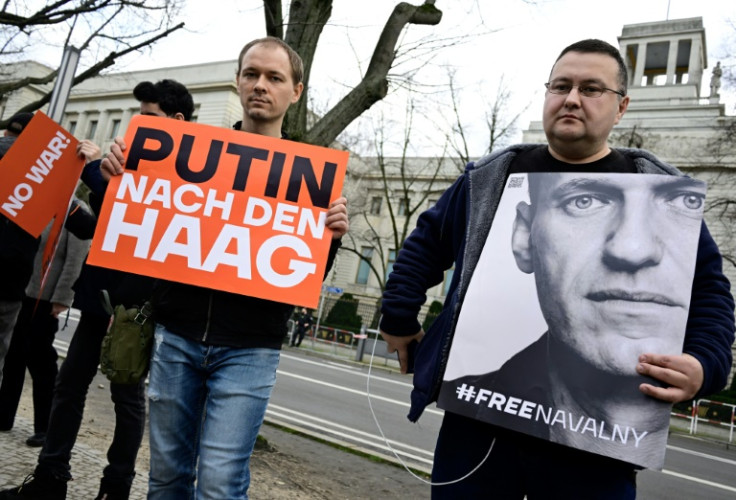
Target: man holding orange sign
[246, 234]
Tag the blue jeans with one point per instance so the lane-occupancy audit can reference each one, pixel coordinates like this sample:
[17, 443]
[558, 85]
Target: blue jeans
[206, 405]
[521, 466]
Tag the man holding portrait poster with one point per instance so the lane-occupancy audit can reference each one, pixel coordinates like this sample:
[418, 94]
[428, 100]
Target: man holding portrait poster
[612, 257]
[586, 96]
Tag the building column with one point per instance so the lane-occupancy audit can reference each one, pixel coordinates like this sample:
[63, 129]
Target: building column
[672, 62]
[102, 123]
[641, 61]
[695, 66]
[125, 120]
[81, 129]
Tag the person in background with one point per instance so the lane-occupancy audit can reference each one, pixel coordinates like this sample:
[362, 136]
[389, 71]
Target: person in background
[166, 98]
[34, 333]
[17, 250]
[304, 323]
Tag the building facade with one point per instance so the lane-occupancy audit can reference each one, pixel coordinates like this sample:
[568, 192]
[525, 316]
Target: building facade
[668, 115]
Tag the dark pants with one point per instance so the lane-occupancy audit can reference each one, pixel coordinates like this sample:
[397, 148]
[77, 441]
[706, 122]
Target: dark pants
[298, 337]
[74, 378]
[521, 465]
[32, 347]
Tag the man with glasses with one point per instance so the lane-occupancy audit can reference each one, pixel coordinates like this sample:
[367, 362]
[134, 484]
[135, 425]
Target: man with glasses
[586, 97]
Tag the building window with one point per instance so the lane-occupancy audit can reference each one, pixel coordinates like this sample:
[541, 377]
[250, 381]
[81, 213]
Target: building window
[92, 130]
[403, 206]
[376, 202]
[115, 129]
[364, 269]
[390, 263]
[431, 202]
[72, 126]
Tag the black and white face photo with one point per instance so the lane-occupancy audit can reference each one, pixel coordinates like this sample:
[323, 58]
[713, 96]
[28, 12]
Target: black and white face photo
[611, 260]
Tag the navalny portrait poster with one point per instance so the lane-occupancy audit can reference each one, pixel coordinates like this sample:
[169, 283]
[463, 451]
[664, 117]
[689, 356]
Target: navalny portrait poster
[580, 274]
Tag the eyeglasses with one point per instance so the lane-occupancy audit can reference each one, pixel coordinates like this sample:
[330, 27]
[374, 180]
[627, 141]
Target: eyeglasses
[587, 90]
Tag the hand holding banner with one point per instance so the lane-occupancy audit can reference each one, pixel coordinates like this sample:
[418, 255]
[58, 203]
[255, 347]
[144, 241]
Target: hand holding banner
[221, 209]
[39, 174]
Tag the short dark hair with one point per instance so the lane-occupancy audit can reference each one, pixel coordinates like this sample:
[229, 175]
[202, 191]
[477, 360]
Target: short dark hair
[595, 46]
[171, 96]
[297, 66]
[18, 122]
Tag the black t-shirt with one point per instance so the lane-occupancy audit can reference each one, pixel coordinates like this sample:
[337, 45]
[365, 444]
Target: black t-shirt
[540, 160]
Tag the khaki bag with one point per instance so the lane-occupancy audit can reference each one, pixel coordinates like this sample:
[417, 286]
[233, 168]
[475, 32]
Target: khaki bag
[126, 347]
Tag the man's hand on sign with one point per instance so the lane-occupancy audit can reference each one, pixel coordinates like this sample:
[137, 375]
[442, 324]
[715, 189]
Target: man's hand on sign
[682, 375]
[112, 163]
[88, 150]
[337, 218]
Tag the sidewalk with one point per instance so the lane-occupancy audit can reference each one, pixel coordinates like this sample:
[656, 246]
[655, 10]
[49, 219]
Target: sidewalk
[293, 468]
[88, 455]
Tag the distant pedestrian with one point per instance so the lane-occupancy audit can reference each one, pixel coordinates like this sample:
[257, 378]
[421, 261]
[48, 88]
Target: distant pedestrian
[303, 324]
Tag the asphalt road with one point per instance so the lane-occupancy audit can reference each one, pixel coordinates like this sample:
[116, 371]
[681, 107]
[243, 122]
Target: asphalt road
[330, 398]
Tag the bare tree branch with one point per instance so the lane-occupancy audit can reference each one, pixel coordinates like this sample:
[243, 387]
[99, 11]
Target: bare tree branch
[374, 85]
[94, 70]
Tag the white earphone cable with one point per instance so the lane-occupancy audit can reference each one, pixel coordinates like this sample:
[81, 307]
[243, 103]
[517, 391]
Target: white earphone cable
[395, 454]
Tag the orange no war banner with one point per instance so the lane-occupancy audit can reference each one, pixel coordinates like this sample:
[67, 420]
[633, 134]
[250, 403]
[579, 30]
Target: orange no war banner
[38, 175]
[221, 209]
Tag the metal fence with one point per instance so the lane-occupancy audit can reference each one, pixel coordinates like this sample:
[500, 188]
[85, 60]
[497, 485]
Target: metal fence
[704, 416]
[367, 310]
[716, 418]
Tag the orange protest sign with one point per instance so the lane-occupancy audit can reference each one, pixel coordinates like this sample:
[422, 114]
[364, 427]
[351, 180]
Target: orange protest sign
[221, 209]
[38, 175]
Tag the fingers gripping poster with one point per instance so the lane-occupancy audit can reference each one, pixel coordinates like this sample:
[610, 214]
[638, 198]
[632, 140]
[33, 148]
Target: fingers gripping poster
[221, 209]
[580, 274]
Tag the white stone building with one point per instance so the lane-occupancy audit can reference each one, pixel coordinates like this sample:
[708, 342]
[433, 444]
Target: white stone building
[668, 115]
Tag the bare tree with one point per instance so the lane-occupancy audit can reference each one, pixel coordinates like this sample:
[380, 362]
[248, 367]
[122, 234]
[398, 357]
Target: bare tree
[500, 121]
[728, 56]
[306, 20]
[720, 208]
[103, 30]
[405, 184]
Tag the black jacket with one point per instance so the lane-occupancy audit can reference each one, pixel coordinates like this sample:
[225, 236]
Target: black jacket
[17, 251]
[124, 288]
[220, 318]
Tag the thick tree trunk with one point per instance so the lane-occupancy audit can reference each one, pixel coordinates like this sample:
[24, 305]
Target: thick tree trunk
[307, 18]
[274, 18]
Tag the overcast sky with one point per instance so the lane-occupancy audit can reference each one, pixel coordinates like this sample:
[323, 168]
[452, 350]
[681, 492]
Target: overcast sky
[514, 38]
